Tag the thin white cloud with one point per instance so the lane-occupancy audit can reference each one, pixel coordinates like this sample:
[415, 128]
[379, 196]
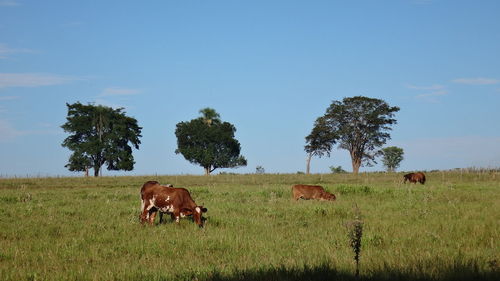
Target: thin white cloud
[433, 94]
[73, 24]
[33, 79]
[5, 98]
[7, 132]
[432, 87]
[452, 152]
[429, 93]
[476, 81]
[6, 51]
[45, 125]
[422, 2]
[115, 91]
[431, 97]
[9, 3]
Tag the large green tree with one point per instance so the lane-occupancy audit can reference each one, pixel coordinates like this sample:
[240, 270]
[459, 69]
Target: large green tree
[100, 135]
[209, 142]
[358, 124]
[392, 157]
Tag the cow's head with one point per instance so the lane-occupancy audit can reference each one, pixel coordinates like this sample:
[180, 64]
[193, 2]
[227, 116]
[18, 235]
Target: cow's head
[197, 214]
[329, 196]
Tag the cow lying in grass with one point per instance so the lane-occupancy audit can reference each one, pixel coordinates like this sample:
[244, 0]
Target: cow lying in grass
[165, 199]
[311, 192]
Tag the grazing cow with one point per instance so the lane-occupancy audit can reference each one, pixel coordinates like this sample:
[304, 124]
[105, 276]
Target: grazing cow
[164, 199]
[311, 192]
[415, 177]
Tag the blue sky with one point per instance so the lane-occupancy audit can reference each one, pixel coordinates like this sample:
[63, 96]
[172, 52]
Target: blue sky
[268, 67]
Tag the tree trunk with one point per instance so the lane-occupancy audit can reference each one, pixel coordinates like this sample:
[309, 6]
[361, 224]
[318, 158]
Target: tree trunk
[86, 171]
[96, 171]
[355, 168]
[308, 163]
[207, 171]
[356, 163]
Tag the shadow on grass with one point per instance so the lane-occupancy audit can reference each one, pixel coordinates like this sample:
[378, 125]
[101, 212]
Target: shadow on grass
[326, 272]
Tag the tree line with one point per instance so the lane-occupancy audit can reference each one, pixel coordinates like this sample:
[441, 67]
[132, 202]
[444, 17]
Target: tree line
[103, 136]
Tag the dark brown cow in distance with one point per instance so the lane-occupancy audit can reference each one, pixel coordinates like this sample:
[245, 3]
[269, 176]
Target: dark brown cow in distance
[415, 177]
[311, 192]
[165, 199]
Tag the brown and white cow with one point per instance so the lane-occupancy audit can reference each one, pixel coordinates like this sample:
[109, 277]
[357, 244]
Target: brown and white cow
[311, 192]
[415, 177]
[164, 199]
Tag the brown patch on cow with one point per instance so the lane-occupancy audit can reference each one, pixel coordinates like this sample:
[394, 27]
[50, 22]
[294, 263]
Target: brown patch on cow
[174, 201]
[415, 177]
[311, 192]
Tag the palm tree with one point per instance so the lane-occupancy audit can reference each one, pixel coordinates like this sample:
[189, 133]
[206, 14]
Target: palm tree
[209, 115]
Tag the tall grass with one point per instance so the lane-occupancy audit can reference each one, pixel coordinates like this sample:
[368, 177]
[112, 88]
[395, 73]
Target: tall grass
[88, 229]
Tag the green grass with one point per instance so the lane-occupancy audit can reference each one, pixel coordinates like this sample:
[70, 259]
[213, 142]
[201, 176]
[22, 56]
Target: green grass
[88, 229]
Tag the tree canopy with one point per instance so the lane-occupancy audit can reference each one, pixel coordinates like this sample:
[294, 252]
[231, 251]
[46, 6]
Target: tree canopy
[358, 124]
[319, 142]
[100, 135]
[392, 157]
[208, 142]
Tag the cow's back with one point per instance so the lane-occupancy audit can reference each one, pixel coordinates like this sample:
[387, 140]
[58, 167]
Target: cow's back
[420, 177]
[307, 191]
[182, 198]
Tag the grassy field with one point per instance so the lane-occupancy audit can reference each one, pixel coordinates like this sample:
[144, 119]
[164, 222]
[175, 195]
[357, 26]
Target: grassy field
[88, 229]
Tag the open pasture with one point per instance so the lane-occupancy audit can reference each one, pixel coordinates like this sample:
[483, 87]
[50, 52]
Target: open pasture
[88, 229]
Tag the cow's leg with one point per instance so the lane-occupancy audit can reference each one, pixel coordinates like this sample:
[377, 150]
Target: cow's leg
[144, 211]
[149, 212]
[152, 216]
[161, 217]
[176, 215]
[143, 216]
[296, 196]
